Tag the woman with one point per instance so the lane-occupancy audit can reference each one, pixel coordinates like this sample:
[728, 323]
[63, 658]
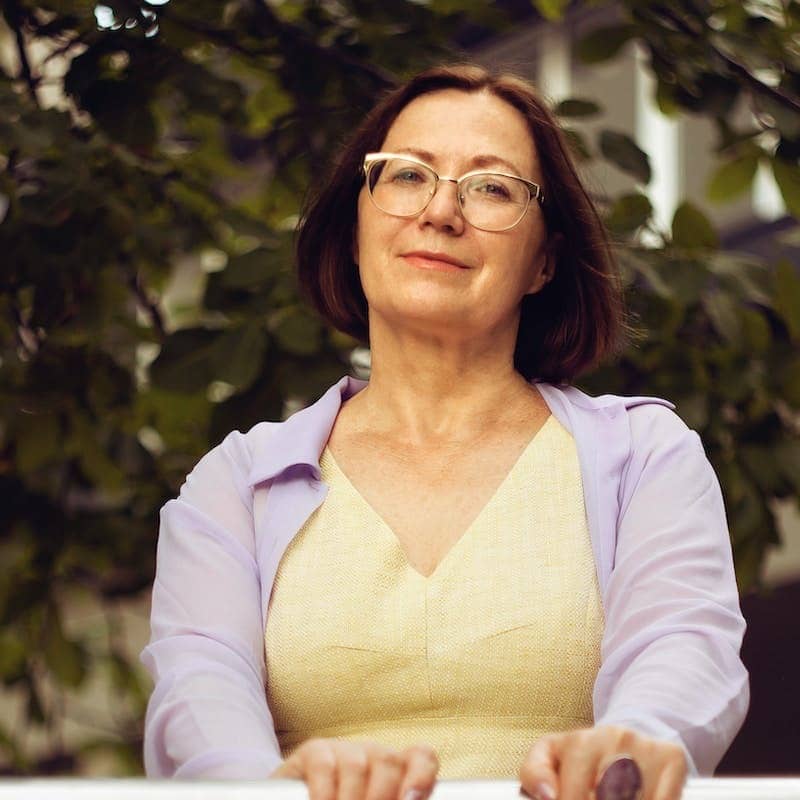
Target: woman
[465, 565]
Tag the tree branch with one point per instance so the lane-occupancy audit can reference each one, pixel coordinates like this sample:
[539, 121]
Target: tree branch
[64, 48]
[146, 304]
[26, 337]
[297, 37]
[216, 35]
[291, 34]
[14, 16]
[733, 65]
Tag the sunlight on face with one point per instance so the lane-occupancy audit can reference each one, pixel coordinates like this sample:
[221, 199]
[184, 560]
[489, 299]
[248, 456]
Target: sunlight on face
[436, 269]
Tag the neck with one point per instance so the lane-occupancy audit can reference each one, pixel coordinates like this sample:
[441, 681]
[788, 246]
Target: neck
[425, 389]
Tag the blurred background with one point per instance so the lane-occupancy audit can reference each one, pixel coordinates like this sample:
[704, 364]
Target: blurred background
[154, 157]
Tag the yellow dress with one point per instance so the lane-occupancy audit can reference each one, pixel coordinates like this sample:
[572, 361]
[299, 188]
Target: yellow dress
[498, 646]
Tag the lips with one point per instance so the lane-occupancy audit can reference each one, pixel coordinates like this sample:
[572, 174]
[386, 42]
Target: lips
[434, 260]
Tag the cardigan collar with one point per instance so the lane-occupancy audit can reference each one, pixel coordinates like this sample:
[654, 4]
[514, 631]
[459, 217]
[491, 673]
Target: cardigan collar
[300, 440]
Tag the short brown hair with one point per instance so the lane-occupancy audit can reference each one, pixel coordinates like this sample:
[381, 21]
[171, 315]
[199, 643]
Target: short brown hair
[566, 328]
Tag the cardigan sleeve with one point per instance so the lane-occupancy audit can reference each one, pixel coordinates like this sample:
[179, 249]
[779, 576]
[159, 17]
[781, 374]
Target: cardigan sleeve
[208, 714]
[670, 653]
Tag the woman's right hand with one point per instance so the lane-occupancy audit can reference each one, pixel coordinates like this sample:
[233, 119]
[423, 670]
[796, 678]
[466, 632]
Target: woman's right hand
[335, 769]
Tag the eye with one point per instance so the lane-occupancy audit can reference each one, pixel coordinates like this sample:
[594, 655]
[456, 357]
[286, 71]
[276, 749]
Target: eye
[407, 175]
[490, 186]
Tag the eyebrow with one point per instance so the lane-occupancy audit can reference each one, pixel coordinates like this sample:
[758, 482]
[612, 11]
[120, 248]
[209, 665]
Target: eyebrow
[479, 161]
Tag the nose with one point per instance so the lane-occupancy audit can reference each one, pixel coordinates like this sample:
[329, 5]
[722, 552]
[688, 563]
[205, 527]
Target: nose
[443, 210]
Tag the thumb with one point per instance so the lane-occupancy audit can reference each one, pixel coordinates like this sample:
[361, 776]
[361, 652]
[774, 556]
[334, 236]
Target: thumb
[291, 768]
[539, 771]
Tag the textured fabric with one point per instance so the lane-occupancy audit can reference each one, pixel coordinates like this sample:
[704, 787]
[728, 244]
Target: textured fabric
[670, 663]
[498, 646]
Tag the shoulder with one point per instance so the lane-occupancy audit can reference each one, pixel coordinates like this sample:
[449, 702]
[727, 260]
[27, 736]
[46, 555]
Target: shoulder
[646, 416]
[657, 425]
[270, 448]
[228, 464]
[630, 435]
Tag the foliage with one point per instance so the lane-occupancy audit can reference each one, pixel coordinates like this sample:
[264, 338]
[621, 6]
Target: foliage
[141, 142]
[719, 328]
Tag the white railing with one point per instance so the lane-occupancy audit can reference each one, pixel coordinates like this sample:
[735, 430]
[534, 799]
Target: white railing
[141, 789]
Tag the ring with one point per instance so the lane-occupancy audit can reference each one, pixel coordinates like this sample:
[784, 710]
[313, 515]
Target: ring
[621, 780]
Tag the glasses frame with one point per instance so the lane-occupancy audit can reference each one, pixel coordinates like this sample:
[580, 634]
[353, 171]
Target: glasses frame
[370, 159]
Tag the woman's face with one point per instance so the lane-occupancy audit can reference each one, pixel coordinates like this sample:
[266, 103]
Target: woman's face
[436, 270]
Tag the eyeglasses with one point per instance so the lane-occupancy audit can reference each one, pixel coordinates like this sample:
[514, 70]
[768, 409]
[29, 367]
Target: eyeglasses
[403, 186]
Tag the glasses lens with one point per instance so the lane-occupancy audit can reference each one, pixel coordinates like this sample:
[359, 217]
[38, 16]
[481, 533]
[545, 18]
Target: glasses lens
[400, 187]
[494, 202]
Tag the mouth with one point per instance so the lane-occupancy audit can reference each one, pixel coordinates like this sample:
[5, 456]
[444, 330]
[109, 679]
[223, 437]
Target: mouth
[426, 259]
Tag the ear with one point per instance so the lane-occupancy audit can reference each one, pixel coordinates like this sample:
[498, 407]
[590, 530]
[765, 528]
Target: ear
[550, 254]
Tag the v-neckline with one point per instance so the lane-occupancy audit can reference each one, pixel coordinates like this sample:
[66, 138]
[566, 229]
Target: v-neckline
[328, 453]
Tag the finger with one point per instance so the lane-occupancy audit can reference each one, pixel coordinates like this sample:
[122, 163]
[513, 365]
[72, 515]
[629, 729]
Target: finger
[387, 768]
[672, 779]
[539, 772]
[353, 769]
[319, 769]
[577, 770]
[422, 766]
[290, 769]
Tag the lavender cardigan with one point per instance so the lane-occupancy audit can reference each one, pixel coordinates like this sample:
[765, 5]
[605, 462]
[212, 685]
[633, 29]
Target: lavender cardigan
[670, 653]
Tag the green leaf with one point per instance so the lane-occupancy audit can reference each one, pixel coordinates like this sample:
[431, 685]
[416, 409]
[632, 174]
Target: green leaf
[624, 153]
[187, 360]
[692, 229]
[724, 313]
[693, 410]
[648, 269]
[577, 144]
[687, 279]
[750, 279]
[756, 331]
[787, 120]
[787, 459]
[787, 297]
[249, 270]
[239, 354]
[84, 442]
[38, 441]
[665, 99]
[65, 659]
[788, 379]
[749, 556]
[787, 176]
[12, 657]
[761, 462]
[298, 332]
[629, 212]
[551, 9]
[732, 178]
[577, 107]
[604, 43]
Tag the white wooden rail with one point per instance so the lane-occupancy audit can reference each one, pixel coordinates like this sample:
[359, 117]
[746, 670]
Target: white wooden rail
[142, 789]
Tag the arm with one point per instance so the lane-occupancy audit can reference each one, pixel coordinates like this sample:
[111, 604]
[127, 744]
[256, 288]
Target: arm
[670, 658]
[671, 691]
[208, 714]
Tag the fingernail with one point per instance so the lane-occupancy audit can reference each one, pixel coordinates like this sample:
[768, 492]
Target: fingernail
[544, 791]
[413, 794]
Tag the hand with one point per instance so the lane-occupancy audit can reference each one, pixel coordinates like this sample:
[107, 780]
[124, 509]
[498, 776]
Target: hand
[568, 766]
[338, 770]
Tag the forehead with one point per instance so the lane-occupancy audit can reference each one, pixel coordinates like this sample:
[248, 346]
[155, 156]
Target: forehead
[456, 126]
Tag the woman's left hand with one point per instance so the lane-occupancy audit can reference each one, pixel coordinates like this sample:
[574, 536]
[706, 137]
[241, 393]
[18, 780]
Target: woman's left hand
[568, 766]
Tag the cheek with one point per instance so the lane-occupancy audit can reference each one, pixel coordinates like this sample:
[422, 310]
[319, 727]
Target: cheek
[526, 262]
